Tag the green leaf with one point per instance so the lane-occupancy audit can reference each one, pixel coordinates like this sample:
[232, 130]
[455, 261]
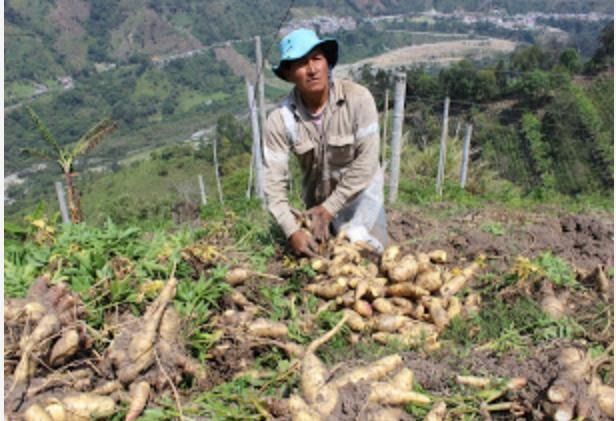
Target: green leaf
[94, 136]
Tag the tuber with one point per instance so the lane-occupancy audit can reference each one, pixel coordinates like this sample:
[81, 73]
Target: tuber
[237, 276]
[438, 256]
[429, 280]
[387, 394]
[268, 328]
[404, 270]
[139, 397]
[437, 413]
[406, 289]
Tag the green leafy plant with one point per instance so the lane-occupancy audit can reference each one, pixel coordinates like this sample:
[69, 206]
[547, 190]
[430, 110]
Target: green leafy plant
[195, 301]
[66, 155]
[556, 269]
[493, 228]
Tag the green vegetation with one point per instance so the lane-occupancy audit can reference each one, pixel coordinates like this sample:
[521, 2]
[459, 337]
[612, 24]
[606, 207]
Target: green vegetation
[534, 125]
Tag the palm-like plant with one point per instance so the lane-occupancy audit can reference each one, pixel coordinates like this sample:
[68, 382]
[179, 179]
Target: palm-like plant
[65, 156]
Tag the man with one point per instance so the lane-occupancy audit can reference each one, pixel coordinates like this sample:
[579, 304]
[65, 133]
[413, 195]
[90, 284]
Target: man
[331, 126]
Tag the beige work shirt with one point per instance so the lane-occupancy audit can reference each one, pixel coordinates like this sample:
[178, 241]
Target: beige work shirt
[338, 161]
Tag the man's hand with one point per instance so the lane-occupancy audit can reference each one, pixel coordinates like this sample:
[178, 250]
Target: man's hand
[319, 218]
[303, 244]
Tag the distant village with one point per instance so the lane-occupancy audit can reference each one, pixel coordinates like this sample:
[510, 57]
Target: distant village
[499, 18]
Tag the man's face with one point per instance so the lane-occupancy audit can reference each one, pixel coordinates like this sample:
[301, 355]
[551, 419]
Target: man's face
[310, 73]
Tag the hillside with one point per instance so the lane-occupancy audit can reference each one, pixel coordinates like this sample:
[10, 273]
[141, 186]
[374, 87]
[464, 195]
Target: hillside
[165, 74]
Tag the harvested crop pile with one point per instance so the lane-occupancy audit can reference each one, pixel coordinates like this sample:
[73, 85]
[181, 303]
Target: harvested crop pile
[406, 298]
[320, 394]
[42, 332]
[147, 349]
[55, 369]
[574, 392]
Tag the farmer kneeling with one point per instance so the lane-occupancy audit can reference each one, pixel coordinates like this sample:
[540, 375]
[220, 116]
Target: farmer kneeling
[332, 128]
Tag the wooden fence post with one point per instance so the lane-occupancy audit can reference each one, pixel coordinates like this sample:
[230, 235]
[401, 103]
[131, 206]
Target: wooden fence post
[260, 85]
[257, 160]
[396, 135]
[385, 118]
[202, 190]
[440, 177]
[62, 202]
[217, 174]
[465, 152]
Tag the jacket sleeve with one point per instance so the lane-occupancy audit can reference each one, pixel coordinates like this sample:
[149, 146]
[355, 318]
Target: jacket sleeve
[276, 165]
[360, 172]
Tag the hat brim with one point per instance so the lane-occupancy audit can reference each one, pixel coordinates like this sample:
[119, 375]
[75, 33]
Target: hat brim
[329, 47]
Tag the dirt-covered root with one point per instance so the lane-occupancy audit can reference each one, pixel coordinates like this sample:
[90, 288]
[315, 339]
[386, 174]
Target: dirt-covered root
[149, 347]
[242, 329]
[577, 392]
[42, 331]
[75, 407]
[598, 280]
[320, 395]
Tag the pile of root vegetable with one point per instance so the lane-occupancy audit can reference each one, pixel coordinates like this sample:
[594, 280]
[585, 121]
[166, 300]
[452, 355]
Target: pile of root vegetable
[52, 372]
[406, 298]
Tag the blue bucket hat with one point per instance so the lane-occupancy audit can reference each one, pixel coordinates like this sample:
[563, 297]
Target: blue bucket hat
[299, 43]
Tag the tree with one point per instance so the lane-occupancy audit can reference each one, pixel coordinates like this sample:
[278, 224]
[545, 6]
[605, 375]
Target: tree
[604, 56]
[541, 162]
[534, 86]
[571, 60]
[65, 155]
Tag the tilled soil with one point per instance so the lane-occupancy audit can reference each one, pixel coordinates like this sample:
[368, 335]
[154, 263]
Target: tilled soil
[584, 241]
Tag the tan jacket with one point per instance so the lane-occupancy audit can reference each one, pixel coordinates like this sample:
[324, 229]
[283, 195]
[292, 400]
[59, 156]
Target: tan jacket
[349, 139]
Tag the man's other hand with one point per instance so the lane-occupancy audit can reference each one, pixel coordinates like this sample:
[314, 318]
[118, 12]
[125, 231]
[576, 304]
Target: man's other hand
[303, 244]
[319, 218]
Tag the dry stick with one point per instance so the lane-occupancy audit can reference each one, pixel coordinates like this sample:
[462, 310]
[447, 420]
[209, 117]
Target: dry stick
[56, 379]
[260, 408]
[323, 339]
[292, 368]
[267, 276]
[501, 406]
[601, 359]
[173, 388]
[312, 348]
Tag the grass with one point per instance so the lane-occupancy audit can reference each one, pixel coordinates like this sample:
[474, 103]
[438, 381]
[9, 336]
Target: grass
[494, 228]
[504, 327]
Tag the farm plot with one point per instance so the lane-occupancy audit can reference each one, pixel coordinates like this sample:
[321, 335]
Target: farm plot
[490, 315]
[436, 53]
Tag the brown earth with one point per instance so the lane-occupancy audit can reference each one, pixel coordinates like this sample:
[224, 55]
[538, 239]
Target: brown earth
[238, 63]
[584, 241]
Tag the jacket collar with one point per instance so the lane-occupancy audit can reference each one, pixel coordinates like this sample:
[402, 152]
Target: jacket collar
[337, 97]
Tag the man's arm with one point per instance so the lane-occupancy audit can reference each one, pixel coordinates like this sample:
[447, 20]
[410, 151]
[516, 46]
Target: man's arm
[362, 169]
[276, 163]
